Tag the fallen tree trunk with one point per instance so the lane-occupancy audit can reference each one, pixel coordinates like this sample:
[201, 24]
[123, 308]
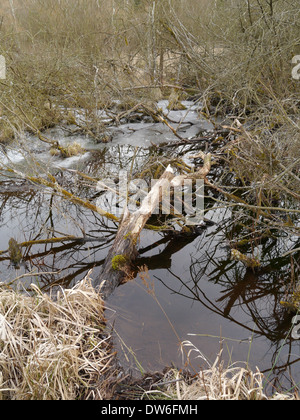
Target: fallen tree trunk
[117, 265]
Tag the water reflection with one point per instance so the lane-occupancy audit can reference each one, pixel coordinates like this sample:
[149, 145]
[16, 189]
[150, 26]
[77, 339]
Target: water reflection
[31, 215]
[246, 299]
[202, 288]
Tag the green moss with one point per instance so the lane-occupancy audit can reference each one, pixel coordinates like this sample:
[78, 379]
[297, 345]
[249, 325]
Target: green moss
[132, 238]
[128, 235]
[118, 262]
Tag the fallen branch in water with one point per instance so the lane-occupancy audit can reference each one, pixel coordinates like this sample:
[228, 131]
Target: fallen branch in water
[53, 184]
[156, 114]
[118, 262]
[158, 117]
[122, 254]
[244, 204]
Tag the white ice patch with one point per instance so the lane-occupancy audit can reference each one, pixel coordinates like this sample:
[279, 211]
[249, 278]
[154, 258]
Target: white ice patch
[11, 156]
[69, 162]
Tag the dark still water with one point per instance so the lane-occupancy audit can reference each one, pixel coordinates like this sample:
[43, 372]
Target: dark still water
[188, 289]
[200, 295]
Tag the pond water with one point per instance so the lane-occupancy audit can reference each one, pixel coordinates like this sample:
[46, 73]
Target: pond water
[191, 290]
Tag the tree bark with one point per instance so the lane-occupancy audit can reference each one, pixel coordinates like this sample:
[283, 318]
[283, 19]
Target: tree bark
[117, 265]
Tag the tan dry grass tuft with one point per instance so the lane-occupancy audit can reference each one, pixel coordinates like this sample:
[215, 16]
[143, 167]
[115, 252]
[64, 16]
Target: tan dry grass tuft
[53, 349]
[217, 382]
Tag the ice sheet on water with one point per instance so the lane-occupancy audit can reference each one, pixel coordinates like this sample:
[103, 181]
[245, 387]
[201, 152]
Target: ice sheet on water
[11, 156]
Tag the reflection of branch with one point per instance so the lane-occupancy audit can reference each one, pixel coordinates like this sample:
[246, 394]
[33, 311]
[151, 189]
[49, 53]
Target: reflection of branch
[54, 185]
[30, 275]
[163, 259]
[243, 203]
[57, 240]
[242, 287]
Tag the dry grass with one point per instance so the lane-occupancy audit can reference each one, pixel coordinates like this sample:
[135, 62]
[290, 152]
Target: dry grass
[216, 382]
[72, 54]
[53, 349]
[76, 54]
[56, 349]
